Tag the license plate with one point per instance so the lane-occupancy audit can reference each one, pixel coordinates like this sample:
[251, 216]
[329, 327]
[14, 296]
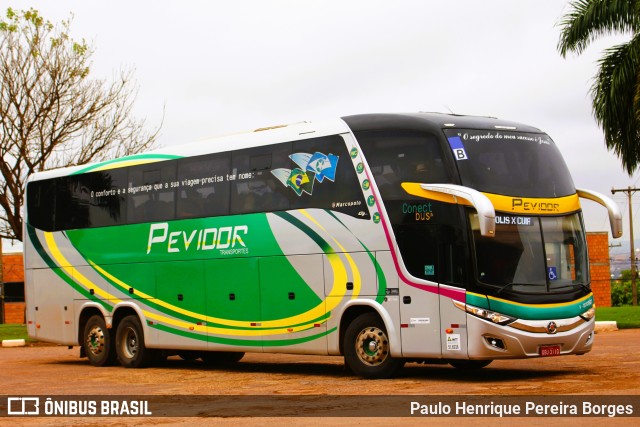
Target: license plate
[549, 350]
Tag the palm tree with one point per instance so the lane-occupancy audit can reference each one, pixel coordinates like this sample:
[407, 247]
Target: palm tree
[616, 89]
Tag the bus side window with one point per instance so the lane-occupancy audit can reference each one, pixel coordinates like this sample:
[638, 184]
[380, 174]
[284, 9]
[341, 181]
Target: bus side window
[203, 186]
[107, 203]
[151, 197]
[403, 156]
[41, 203]
[72, 204]
[253, 187]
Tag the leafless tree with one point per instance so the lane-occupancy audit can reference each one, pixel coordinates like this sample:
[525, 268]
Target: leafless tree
[52, 114]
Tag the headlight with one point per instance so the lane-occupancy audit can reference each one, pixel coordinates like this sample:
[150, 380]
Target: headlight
[485, 314]
[589, 314]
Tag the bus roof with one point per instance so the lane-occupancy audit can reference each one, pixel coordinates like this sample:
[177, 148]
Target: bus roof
[298, 131]
[432, 121]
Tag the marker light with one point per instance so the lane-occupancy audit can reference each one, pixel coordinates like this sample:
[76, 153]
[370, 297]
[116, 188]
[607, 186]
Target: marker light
[589, 314]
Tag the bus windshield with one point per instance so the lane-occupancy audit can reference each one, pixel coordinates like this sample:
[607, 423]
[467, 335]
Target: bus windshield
[510, 163]
[531, 254]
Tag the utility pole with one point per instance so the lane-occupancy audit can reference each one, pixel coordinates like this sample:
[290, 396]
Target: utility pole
[634, 289]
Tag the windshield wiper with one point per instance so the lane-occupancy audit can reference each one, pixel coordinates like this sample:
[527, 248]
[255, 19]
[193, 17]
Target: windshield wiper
[514, 284]
[571, 285]
[508, 285]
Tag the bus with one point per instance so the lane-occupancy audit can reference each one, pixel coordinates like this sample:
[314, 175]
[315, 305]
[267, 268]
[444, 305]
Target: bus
[382, 238]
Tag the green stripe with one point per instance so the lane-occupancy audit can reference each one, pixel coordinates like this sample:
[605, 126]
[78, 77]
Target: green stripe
[57, 270]
[382, 281]
[177, 315]
[531, 311]
[242, 342]
[157, 157]
[326, 248]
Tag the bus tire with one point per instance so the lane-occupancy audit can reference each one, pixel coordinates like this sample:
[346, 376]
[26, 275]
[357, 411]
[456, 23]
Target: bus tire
[367, 351]
[216, 358]
[97, 342]
[469, 365]
[130, 347]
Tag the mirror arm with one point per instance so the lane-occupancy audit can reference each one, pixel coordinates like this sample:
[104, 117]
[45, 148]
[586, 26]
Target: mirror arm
[482, 204]
[615, 216]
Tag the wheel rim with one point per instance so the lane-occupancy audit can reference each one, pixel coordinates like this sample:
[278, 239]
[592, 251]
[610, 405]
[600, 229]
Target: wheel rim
[130, 343]
[372, 346]
[96, 341]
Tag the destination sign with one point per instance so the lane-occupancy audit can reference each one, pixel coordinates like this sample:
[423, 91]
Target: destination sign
[514, 220]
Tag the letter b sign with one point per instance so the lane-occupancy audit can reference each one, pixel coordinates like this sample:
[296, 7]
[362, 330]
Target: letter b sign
[460, 154]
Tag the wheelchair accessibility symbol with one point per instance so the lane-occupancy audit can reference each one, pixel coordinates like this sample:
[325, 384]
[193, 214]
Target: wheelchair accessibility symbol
[552, 273]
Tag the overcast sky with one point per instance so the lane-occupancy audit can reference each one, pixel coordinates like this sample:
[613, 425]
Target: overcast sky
[219, 67]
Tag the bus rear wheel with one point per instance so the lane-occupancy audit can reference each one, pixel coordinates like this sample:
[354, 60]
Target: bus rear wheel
[130, 347]
[97, 342]
[367, 351]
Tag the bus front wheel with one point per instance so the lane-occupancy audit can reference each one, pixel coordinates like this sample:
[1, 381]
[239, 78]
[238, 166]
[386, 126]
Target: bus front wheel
[97, 342]
[367, 351]
[130, 347]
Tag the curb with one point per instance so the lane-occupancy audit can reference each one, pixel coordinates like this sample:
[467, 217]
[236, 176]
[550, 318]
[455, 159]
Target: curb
[606, 326]
[13, 343]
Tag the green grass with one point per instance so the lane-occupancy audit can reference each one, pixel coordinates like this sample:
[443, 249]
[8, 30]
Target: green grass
[627, 316]
[13, 332]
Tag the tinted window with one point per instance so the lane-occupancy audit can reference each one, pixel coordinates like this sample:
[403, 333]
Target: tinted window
[314, 173]
[41, 204]
[107, 202]
[403, 156]
[510, 163]
[430, 234]
[253, 187]
[204, 186]
[151, 192]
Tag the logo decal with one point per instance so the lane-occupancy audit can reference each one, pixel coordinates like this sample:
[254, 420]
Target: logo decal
[311, 168]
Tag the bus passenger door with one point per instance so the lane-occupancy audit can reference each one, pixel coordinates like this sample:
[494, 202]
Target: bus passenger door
[419, 305]
[454, 273]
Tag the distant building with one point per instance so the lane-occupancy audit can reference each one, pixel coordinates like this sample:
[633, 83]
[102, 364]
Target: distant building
[12, 290]
[598, 244]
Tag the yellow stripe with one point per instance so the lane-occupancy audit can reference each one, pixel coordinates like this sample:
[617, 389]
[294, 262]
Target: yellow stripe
[554, 305]
[357, 281]
[300, 318]
[535, 206]
[125, 163]
[72, 271]
[84, 281]
[517, 205]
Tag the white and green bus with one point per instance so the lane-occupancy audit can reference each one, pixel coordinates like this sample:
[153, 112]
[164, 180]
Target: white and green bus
[384, 238]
